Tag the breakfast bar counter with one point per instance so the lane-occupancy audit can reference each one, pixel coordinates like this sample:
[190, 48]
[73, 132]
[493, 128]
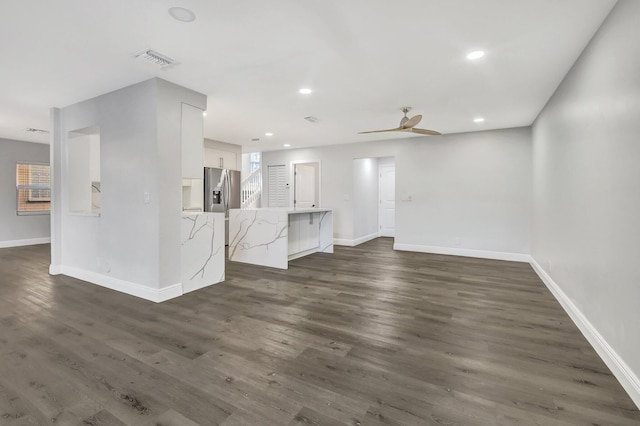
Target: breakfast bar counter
[273, 236]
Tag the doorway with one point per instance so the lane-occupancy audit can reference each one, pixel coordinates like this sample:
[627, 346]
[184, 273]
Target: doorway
[387, 197]
[306, 185]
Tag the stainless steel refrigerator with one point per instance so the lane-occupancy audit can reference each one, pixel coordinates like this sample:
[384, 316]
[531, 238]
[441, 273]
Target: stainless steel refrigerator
[221, 193]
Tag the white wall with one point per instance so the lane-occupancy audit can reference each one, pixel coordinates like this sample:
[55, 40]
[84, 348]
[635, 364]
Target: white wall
[14, 229]
[134, 244]
[167, 186]
[365, 198]
[246, 165]
[123, 242]
[469, 191]
[587, 191]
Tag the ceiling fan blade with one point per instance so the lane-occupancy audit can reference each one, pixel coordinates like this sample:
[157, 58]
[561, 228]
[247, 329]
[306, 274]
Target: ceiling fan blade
[413, 121]
[425, 132]
[397, 129]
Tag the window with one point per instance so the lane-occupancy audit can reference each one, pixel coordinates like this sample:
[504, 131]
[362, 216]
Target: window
[254, 162]
[33, 188]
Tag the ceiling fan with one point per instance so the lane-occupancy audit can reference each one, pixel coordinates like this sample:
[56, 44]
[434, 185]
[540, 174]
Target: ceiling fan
[407, 125]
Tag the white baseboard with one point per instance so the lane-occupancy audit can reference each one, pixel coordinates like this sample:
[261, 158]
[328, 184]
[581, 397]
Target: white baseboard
[133, 289]
[625, 375]
[302, 254]
[27, 242]
[343, 242]
[355, 242]
[483, 254]
[366, 238]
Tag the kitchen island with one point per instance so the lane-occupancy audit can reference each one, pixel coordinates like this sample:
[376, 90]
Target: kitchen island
[202, 249]
[273, 236]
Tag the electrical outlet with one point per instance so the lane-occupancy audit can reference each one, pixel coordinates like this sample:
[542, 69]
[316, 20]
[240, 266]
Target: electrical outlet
[147, 197]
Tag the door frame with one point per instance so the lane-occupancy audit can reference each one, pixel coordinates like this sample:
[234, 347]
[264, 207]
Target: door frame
[292, 179]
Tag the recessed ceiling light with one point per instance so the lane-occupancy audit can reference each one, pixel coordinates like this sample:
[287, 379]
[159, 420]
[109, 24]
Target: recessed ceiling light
[305, 91]
[286, 145]
[268, 134]
[475, 55]
[182, 14]
[204, 113]
[478, 120]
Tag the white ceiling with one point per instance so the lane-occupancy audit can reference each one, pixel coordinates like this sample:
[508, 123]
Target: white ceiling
[364, 59]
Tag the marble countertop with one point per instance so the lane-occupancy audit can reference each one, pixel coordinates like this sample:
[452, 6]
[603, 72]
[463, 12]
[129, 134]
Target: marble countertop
[288, 210]
[195, 213]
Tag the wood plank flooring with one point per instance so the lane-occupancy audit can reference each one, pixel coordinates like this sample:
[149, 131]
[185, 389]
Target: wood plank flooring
[366, 336]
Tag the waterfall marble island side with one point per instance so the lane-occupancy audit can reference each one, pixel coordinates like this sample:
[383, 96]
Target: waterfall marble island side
[202, 249]
[273, 236]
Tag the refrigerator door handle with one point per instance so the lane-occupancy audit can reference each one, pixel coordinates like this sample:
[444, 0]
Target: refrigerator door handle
[227, 191]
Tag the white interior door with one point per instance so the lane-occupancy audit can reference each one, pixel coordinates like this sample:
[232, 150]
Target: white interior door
[387, 210]
[305, 187]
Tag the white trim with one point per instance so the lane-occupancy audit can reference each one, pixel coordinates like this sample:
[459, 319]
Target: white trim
[303, 253]
[133, 289]
[625, 375]
[26, 242]
[483, 254]
[366, 238]
[343, 242]
[357, 241]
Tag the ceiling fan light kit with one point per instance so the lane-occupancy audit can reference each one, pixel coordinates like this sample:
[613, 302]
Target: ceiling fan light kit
[407, 125]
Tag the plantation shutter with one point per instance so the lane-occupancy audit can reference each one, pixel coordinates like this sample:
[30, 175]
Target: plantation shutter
[277, 186]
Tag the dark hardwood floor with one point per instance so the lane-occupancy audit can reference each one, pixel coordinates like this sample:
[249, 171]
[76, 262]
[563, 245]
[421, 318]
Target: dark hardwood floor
[366, 336]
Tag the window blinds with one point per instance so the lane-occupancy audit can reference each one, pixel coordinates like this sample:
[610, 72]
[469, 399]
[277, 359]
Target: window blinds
[33, 188]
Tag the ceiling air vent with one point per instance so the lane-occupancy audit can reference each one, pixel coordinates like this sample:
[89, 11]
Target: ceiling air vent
[33, 130]
[155, 58]
[311, 119]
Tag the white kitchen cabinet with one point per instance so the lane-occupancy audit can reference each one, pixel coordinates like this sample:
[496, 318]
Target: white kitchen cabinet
[192, 142]
[220, 159]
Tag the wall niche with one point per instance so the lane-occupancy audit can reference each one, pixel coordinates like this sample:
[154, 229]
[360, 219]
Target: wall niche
[83, 171]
